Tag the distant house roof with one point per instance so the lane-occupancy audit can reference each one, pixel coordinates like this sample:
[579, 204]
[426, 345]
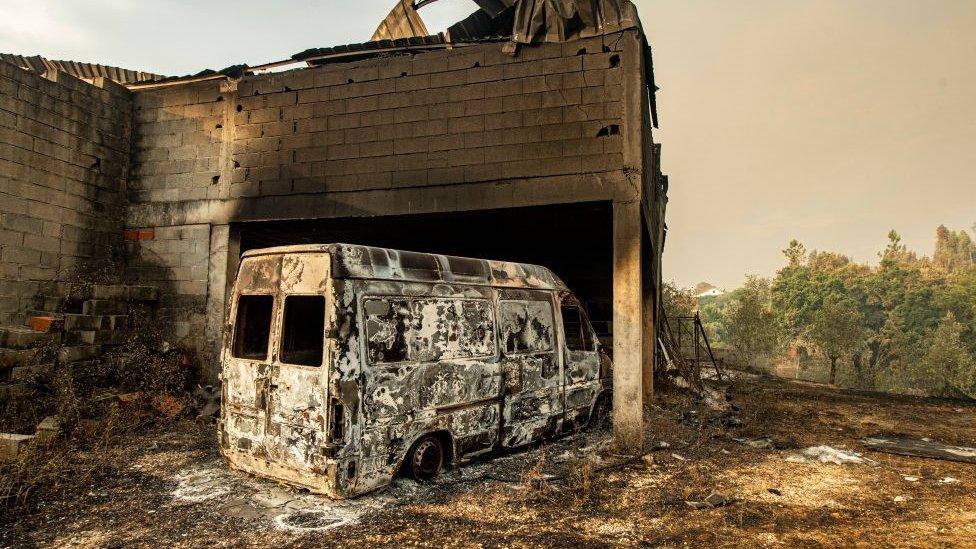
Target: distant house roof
[40, 64]
[704, 289]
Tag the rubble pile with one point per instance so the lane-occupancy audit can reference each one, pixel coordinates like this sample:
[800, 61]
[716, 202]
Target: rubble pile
[70, 326]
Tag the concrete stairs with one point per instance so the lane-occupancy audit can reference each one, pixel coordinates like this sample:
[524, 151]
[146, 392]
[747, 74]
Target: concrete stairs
[80, 321]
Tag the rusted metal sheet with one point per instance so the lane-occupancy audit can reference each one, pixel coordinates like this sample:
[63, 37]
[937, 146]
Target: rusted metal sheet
[469, 350]
[565, 20]
[403, 21]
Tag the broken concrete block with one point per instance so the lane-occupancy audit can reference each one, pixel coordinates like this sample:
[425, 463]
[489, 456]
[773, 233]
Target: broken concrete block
[11, 445]
[15, 357]
[23, 373]
[20, 337]
[78, 353]
[48, 429]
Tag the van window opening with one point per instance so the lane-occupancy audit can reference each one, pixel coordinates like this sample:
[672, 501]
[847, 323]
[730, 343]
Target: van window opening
[253, 326]
[400, 329]
[526, 326]
[303, 330]
[577, 335]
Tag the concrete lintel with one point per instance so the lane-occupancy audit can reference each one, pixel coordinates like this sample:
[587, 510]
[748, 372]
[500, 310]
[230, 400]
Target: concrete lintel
[608, 186]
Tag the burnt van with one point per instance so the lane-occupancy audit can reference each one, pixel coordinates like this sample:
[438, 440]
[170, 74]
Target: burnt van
[345, 365]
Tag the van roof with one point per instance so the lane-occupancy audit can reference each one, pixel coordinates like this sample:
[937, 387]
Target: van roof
[368, 262]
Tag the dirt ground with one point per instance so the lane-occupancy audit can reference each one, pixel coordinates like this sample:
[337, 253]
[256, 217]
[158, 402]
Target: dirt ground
[169, 487]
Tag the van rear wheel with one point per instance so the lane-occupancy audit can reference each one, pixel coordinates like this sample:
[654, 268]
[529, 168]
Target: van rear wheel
[426, 458]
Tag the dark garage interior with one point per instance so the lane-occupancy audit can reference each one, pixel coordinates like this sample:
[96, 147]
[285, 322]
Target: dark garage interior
[573, 240]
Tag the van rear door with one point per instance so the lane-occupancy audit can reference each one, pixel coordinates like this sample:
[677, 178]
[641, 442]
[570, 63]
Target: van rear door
[298, 383]
[247, 355]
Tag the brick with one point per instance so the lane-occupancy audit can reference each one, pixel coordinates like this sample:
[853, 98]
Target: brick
[46, 324]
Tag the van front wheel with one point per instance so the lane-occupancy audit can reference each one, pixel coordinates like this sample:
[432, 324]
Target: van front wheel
[426, 458]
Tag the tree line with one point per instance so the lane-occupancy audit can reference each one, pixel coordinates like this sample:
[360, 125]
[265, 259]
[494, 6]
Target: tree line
[907, 324]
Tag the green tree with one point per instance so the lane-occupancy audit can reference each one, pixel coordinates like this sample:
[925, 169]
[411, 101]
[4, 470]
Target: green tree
[796, 253]
[678, 301]
[953, 250]
[837, 331]
[752, 329]
[948, 368]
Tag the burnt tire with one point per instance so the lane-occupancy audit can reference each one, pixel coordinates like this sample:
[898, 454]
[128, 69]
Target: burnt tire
[426, 458]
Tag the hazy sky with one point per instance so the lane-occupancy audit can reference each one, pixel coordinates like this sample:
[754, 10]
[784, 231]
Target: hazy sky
[829, 121]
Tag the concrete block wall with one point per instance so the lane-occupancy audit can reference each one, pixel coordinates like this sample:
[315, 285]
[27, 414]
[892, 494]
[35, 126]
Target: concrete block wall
[466, 128]
[176, 261]
[64, 162]
[177, 143]
[451, 117]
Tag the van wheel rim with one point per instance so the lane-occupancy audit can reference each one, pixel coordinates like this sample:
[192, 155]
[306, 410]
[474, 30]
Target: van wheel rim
[427, 459]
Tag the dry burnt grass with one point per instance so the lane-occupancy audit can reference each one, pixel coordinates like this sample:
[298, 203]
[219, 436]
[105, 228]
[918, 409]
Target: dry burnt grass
[593, 498]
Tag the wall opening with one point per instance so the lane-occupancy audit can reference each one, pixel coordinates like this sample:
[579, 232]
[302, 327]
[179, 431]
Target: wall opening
[574, 240]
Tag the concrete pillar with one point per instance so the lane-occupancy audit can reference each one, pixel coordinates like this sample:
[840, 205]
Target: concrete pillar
[628, 306]
[216, 297]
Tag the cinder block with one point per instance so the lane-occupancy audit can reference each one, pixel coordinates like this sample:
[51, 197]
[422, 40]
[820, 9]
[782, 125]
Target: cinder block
[76, 353]
[104, 307]
[103, 291]
[48, 429]
[18, 337]
[10, 358]
[11, 445]
[142, 293]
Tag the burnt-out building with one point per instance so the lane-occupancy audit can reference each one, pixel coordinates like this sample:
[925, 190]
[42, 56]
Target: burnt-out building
[523, 134]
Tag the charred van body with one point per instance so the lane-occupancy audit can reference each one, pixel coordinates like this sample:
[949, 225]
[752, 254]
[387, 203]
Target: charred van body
[343, 365]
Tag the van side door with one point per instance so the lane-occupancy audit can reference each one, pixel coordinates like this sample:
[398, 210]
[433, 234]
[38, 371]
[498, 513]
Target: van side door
[532, 402]
[581, 360]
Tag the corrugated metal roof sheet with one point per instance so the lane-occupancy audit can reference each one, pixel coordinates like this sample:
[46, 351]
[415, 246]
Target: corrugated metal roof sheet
[88, 71]
[367, 49]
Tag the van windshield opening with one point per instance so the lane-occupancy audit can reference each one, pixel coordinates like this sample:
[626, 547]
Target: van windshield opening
[303, 330]
[253, 327]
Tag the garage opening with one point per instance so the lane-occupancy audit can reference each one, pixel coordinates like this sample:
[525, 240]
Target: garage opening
[574, 240]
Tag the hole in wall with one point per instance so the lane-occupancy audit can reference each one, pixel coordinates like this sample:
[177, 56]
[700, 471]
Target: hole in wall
[220, 98]
[614, 61]
[581, 52]
[240, 107]
[214, 180]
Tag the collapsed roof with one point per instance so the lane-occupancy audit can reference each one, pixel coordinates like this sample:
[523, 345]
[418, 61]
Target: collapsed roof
[512, 22]
[521, 21]
[86, 71]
